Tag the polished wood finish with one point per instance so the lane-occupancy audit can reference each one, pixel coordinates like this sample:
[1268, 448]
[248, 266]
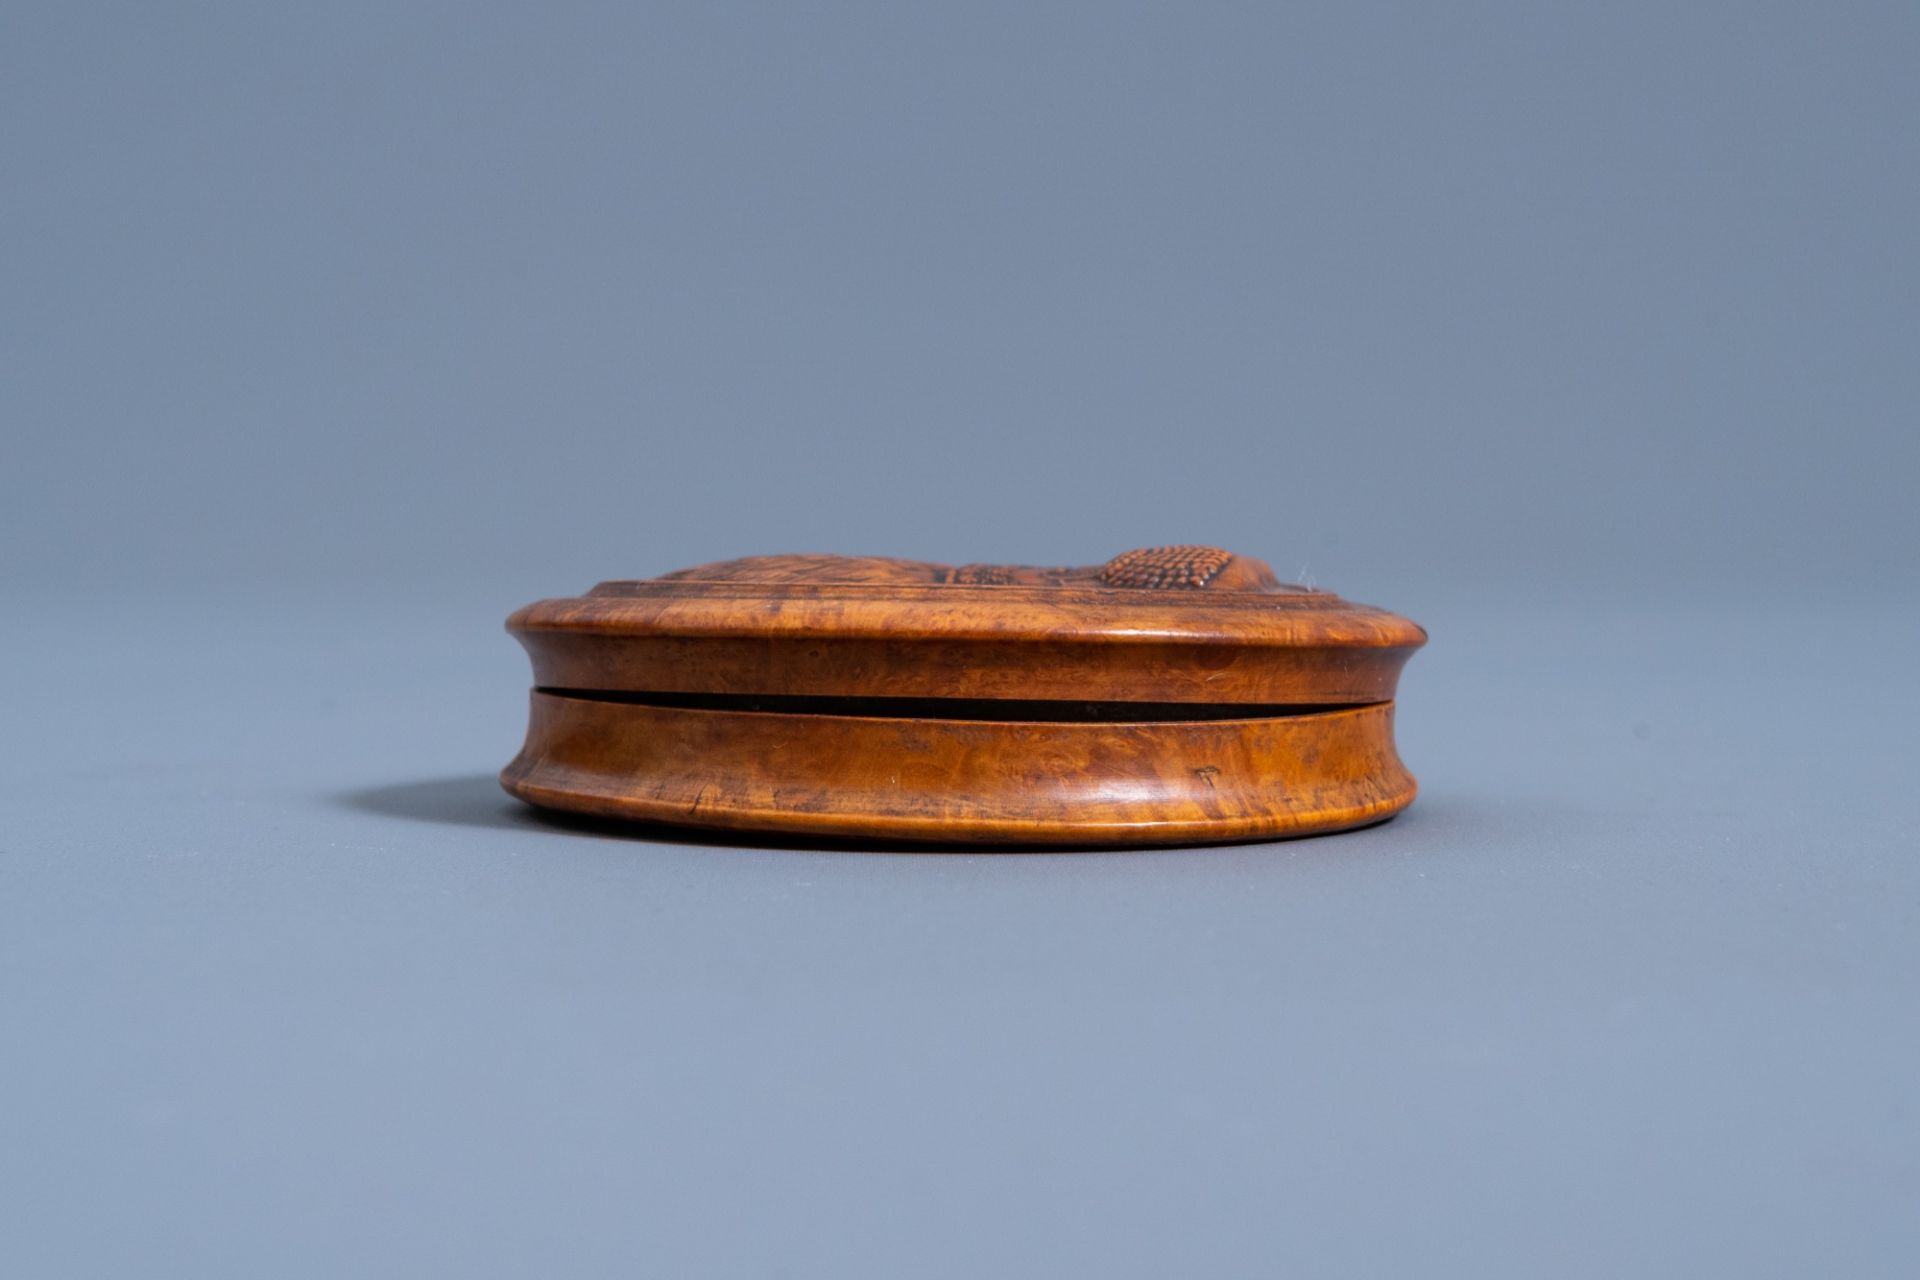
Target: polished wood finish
[1172, 695]
[973, 781]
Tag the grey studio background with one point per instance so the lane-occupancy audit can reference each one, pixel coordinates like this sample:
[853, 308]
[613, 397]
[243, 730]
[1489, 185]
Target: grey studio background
[1582, 334]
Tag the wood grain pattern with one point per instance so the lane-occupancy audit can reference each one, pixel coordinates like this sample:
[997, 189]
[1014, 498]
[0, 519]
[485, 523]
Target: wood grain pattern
[971, 781]
[879, 698]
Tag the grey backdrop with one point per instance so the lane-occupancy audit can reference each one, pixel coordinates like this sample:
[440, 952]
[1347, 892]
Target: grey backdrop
[1586, 336]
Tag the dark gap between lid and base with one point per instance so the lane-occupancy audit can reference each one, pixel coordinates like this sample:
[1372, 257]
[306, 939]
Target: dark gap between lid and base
[1044, 710]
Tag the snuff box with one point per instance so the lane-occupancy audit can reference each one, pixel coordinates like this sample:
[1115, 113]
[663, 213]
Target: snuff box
[1171, 695]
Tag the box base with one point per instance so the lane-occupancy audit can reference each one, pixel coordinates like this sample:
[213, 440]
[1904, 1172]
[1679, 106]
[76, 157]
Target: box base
[970, 782]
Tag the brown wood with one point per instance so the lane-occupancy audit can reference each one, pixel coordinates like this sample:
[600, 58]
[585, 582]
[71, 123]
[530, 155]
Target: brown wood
[1172, 695]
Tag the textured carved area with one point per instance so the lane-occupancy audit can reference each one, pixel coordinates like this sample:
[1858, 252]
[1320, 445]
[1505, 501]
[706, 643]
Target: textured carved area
[1151, 568]
[1164, 567]
[984, 575]
[775, 570]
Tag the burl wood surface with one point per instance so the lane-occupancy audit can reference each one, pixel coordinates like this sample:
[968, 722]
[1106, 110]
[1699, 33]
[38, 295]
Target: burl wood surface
[1171, 695]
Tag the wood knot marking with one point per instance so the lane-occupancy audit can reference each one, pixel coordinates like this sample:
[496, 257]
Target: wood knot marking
[1161, 568]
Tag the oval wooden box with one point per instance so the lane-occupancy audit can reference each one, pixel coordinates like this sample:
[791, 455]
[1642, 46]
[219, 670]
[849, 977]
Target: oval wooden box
[1172, 695]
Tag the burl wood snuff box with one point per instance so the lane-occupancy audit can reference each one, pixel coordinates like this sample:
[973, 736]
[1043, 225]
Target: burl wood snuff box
[1172, 695]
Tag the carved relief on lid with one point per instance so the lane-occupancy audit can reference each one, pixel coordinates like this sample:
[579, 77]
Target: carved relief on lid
[1170, 568]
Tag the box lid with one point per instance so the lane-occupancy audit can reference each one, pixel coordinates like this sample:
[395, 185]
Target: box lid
[1187, 626]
